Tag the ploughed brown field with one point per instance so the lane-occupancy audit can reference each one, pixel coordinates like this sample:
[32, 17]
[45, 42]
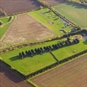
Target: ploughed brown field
[16, 6]
[25, 28]
[55, 2]
[8, 79]
[72, 74]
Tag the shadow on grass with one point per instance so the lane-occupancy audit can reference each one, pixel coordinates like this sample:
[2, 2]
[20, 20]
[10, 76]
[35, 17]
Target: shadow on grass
[15, 58]
[77, 5]
[85, 42]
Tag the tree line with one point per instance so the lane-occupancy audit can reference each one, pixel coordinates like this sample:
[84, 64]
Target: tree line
[41, 50]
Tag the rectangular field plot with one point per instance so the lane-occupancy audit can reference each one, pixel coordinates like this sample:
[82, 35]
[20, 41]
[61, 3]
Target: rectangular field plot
[72, 74]
[29, 64]
[50, 20]
[74, 12]
[69, 50]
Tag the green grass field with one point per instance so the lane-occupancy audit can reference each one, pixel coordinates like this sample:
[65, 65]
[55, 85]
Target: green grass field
[4, 26]
[29, 64]
[70, 50]
[32, 64]
[75, 13]
[50, 20]
[4, 19]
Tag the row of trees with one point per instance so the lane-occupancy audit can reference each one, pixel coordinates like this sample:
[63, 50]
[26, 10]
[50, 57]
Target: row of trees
[78, 1]
[45, 49]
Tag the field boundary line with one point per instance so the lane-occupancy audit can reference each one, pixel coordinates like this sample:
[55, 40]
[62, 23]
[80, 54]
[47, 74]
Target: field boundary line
[42, 23]
[32, 83]
[54, 56]
[57, 66]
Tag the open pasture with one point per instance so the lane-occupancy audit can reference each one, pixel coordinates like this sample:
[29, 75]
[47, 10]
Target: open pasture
[51, 21]
[17, 6]
[24, 28]
[72, 74]
[70, 50]
[28, 65]
[74, 12]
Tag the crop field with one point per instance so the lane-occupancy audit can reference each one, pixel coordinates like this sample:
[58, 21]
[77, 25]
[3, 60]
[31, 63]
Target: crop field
[74, 12]
[55, 2]
[51, 20]
[8, 79]
[17, 6]
[72, 74]
[5, 24]
[24, 28]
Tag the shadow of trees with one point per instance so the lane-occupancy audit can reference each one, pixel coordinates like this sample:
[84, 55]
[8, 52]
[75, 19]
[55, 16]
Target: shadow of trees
[77, 5]
[14, 58]
[85, 42]
[61, 1]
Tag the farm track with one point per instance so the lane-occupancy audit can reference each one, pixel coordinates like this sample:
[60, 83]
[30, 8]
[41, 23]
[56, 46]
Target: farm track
[72, 74]
[8, 79]
[17, 6]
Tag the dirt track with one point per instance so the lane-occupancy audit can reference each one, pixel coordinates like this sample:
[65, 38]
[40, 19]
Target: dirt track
[8, 79]
[16, 6]
[73, 74]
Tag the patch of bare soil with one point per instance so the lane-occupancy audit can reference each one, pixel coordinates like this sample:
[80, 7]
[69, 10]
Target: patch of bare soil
[25, 29]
